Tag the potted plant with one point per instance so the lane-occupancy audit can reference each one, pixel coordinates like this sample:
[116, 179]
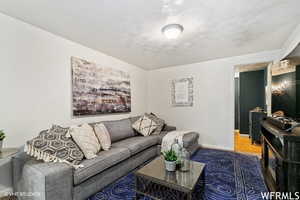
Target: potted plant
[2, 136]
[170, 160]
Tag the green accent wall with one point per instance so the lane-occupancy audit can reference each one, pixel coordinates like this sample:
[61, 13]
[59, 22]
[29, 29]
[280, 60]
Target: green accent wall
[287, 101]
[236, 104]
[298, 92]
[252, 94]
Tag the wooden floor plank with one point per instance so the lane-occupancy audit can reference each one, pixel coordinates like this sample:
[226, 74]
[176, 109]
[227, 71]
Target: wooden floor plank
[242, 143]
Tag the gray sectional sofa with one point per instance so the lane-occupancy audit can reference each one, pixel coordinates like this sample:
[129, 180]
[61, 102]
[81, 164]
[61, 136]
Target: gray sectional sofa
[59, 181]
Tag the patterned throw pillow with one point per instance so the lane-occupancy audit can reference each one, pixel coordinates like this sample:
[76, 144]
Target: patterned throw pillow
[132, 120]
[144, 126]
[85, 138]
[53, 146]
[160, 123]
[103, 136]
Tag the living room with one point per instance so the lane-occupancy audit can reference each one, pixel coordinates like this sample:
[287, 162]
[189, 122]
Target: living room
[172, 59]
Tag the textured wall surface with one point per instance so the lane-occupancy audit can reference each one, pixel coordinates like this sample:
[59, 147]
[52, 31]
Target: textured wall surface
[291, 43]
[286, 102]
[131, 29]
[35, 81]
[213, 112]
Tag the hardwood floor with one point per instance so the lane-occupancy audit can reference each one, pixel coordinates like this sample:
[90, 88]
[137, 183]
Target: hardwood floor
[242, 143]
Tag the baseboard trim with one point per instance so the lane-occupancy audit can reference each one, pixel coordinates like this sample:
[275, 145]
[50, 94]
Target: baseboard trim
[211, 146]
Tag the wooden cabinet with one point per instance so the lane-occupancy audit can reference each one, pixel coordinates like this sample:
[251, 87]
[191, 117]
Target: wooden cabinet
[280, 158]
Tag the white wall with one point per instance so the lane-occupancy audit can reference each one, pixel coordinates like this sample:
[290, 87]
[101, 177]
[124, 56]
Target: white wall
[35, 85]
[295, 52]
[213, 112]
[291, 43]
[35, 80]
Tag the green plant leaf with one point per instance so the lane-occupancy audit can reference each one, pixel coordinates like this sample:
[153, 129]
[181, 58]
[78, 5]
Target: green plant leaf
[170, 155]
[2, 135]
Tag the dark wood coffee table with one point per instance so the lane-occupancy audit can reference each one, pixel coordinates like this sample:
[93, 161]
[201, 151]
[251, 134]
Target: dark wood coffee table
[155, 182]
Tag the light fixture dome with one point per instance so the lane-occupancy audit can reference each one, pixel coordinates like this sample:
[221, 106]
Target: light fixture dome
[172, 31]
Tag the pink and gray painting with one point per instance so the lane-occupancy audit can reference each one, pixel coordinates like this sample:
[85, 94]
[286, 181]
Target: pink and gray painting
[98, 89]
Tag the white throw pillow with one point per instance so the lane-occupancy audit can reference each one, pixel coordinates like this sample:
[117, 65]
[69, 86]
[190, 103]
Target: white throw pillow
[85, 138]
[103, 136]
[144, 126]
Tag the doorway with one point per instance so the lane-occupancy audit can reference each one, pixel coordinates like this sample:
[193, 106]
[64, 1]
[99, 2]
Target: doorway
[250, 96]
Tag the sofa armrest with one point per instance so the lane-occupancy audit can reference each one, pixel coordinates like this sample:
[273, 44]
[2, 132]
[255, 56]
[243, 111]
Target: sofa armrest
[169, 128]
[36, 180]
[18, 161]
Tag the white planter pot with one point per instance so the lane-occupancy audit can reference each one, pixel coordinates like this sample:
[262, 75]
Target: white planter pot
[1, 144]
[170, 166]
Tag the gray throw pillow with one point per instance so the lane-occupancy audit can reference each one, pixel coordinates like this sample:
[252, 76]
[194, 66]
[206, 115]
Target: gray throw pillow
[53, 146]
[160, 123]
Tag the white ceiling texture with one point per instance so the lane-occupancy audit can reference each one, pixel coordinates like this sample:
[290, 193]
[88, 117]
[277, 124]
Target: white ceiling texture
[131, 29]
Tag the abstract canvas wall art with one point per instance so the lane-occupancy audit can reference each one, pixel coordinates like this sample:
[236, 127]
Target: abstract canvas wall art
[99, 90]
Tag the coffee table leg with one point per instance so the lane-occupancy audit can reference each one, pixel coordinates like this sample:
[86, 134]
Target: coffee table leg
[137, 196]
[203, 184]
[189, 196]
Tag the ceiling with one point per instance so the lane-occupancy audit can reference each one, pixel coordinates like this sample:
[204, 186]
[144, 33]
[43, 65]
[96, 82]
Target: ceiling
[295, 52]
[131, 29]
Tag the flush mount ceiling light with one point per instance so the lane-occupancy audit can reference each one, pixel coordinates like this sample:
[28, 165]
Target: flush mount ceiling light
[172, 31]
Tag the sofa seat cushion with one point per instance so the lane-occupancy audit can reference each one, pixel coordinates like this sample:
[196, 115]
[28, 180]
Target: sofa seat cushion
[137, 144]
[103, 161]
[188, 139]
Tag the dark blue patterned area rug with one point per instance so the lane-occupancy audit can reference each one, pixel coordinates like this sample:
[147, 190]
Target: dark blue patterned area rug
[228, 176]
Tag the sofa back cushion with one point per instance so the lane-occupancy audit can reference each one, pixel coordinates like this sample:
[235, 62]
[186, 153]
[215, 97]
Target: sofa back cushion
[119, 129]
[134, 119]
